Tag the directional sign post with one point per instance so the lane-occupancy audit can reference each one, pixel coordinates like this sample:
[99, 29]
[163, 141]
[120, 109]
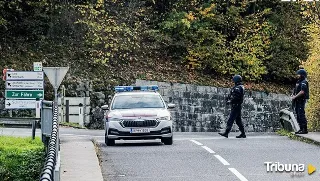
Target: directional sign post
[21, 75]
[24, 94]
[23, 88]
[20, 104]
[24, 84]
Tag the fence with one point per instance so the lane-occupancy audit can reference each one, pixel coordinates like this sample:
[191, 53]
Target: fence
[51, 169]
[69, 109]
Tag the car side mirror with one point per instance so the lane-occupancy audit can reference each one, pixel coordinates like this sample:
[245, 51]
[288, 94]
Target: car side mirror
[171, 106]
[105, 107]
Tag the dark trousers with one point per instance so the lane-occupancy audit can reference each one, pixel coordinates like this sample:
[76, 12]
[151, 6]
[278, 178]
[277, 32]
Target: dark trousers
[301, 115]
[235, 115]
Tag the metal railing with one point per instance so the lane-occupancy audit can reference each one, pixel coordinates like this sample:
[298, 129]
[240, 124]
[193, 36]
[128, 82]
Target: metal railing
[51, 169]
[20, 122]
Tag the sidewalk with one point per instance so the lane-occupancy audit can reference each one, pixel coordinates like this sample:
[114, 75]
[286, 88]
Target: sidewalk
[312, 136]
[79, 161]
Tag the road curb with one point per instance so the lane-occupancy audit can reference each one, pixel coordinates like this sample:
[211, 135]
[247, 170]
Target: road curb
[308, 140]
[98, 151]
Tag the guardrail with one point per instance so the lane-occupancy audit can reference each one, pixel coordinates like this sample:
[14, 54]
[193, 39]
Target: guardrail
[21, 122]
[288, 121]
[51, 169]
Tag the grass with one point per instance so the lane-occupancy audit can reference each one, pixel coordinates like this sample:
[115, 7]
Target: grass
[292, 136]
[70, 124]
[20, 143]
[21, 159]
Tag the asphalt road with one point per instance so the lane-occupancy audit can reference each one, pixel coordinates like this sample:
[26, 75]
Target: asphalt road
[206, 156]
[197, 157]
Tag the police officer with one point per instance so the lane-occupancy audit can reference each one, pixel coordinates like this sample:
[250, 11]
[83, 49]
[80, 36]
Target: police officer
[235, 99]
[301, 95]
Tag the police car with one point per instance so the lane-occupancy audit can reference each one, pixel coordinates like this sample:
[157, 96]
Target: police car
[136, 113]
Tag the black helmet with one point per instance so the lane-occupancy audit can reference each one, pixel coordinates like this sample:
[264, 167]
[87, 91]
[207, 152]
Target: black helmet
[302, 72]
[237, 79]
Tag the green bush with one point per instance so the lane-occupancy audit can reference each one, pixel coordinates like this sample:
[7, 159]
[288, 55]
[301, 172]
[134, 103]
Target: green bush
[21, 159]
[312, 67]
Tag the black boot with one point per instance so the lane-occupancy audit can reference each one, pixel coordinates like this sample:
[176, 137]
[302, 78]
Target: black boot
[225, 134]
[242, 135]
[300, 130]
[304, 130]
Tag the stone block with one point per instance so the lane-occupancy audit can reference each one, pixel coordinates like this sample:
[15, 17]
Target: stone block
[213, 90]
[179, 87]
[222, 91]
[164, 85]
[201, 89]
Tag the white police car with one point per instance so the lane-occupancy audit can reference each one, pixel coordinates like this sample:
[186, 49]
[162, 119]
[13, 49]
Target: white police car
[137, 112]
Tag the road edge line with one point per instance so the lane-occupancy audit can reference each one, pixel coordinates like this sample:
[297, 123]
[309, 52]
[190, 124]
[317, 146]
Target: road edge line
[238, 174]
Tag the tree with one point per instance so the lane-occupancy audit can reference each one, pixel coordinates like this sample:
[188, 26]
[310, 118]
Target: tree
[312, 66]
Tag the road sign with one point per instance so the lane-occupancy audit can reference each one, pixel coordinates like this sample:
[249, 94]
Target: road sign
[24, 85]
[4, 73]
[37, 66]
[17, 75]
[24, 94]
[20, 104]
[55, 75]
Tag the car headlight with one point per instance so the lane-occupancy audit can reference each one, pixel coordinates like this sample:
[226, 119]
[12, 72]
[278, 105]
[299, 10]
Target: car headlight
[164, 118]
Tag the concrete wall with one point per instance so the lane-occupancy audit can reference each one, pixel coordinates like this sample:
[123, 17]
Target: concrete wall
[203, 108]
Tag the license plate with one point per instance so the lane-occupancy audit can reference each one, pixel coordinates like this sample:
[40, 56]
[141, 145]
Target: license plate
[139, 130]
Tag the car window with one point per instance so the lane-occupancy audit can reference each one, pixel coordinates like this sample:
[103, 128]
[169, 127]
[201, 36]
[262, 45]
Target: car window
[137, 101]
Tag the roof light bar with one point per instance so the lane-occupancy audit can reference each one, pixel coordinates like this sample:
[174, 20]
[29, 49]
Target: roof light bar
[132, 88]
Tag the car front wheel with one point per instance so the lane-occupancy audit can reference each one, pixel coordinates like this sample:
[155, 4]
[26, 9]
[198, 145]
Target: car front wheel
[167, 141]
[109, 142]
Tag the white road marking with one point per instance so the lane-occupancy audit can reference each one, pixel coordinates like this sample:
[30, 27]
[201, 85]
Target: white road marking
[196, 142]
[239, 175]
[208, 149]
[68, 134]
[74, 135]
[222, 160]
[220, 138]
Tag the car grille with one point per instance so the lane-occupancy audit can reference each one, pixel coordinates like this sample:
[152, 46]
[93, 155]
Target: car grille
[145, 123]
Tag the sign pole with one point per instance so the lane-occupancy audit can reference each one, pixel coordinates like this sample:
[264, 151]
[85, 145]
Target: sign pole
[38, 108]
[55, 79]
[55, 87]
[55, 95]
[81, 115]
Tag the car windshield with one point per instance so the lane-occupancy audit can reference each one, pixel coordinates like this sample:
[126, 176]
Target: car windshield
[137, 101]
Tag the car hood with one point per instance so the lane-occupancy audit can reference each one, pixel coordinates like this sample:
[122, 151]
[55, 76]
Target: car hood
[131, 113]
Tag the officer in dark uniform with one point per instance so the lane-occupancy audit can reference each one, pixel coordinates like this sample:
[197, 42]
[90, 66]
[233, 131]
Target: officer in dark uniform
[235, 99]
[301, 95]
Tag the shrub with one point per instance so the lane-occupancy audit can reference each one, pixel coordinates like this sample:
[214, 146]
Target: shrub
[21, 159]
[312, 67]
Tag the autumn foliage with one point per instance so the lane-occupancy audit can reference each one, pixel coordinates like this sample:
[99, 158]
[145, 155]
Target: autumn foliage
[192, 41]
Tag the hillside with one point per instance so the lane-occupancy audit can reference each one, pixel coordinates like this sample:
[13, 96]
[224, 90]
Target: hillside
[108, 43]
[113, 43]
